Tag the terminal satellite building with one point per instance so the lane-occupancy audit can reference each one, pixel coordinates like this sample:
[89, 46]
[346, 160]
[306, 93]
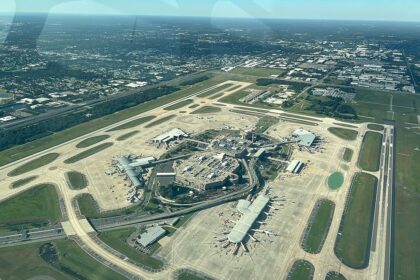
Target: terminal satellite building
[131, 168]
[172, 135]
[304, 137]
[251, 212]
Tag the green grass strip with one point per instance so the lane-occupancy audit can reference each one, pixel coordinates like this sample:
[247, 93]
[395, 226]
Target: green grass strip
[22, 182]
[160, 121]
[34, 164]
[36, 207]
[88, 153]
[318, 226]
[92, 141]
[343, 133]
[353, 241]
[369, 155]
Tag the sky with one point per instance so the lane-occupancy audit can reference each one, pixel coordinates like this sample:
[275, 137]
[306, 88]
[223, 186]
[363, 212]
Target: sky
[388, 10]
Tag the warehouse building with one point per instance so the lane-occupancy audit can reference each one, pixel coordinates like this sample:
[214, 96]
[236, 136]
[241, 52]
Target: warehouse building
[251, 212]
[151, 235]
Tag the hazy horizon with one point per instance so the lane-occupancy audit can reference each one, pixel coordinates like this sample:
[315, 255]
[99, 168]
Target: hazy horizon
[357, 10]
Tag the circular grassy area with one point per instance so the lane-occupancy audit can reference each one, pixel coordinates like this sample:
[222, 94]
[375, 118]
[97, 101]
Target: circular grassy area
[335, 180]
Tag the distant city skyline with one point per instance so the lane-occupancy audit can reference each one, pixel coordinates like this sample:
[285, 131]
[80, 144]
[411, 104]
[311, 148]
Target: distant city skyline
[385, 10]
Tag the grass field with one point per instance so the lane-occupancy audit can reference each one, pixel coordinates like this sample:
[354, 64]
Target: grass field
[301, 270]
[35, 207]
[133, 123]
[87, 205]
[318, 226]
[194, 106]
[335, 180]
[369, 155]
[334, 275]
[353, 245]
[376, 127]
[22, 182]
[34, 164]
[88, 153]
[74, 258]
[179, 105]
[22, 151]
[24, 262]
[234, 98]
[160, 121]
[206, 110]
[117, 239]
[265, 123]
[92, 141]
[343, 133]
[89, 208]
[348, 154]
[127, 135]
[76, 180]
[70, 262]
[188, 276]
[407, 224]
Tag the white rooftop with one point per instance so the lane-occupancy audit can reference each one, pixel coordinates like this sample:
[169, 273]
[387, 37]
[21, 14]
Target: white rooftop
[170, 135]
[250, 212]
[151, 235]
[305, 137]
